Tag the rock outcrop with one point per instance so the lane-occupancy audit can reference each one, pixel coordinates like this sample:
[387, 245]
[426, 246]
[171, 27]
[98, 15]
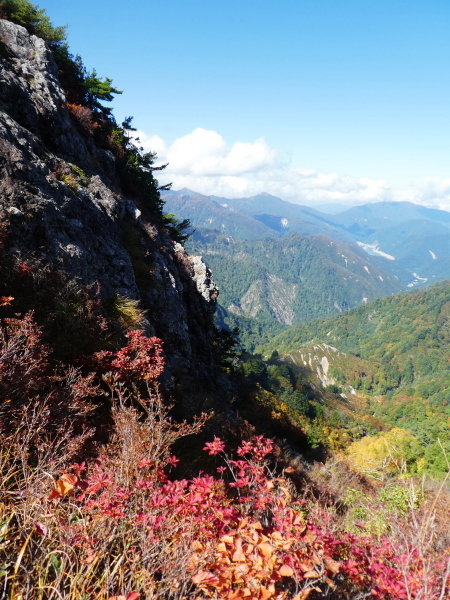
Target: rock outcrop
[63, 207]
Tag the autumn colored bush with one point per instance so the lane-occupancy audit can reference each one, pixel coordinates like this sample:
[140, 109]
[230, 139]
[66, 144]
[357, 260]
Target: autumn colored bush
[393, 452]
[118, 525]
[73, 318]
[28, 380]
[84, 116]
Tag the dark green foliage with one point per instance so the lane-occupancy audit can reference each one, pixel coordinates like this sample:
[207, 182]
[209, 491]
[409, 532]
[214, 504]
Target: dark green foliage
[34, 19]
[256, 370]
[437, 454]
[297, 401]
[226, 345]
[402, 340]
[98, 90]
[317, 411]
[287, 372]
[333, 388]
[408, 376]
[178, 228]
[252, 332]
[335, 419]
[84, 88]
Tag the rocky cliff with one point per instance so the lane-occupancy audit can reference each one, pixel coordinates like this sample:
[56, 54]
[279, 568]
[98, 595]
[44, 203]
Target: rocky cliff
[61, 205]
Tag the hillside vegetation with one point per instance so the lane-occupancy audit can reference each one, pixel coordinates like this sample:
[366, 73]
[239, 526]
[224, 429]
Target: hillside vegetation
[142, 456]
[397, 355]
[271, 282]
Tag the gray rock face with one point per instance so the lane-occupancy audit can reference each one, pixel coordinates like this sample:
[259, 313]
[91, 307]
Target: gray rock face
[30, 91]
[77, 223]
[204, 280]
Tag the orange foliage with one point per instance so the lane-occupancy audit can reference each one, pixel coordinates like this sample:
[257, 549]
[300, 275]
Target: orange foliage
[83, 115]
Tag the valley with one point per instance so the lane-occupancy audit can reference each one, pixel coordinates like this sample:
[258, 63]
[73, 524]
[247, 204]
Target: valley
[205, 397]
[394, 353]
[329, 263]
[338, 310]
[277, 282]
[412, 242]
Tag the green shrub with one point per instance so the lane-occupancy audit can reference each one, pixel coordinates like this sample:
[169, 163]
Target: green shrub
[297, 401]
[400, 499]
[255, 370]
[333, 388]
[34, 19]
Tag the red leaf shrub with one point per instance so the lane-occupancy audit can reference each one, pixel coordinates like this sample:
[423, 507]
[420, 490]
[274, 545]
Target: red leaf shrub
[140, 360]
[120, 527]
[84, 116]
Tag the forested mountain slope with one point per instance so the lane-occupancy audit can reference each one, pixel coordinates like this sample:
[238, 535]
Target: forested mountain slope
[388, 328]
[288, 280]
[409, 241]
[395, 351]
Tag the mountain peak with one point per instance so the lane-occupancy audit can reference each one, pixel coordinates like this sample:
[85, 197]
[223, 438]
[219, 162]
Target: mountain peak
[186, 192]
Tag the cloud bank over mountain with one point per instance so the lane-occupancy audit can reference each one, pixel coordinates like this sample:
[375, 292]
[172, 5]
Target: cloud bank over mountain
[203, 161]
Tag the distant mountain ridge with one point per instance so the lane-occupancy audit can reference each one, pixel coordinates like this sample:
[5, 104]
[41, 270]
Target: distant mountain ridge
[203, 211]
[410, 241]
[265, 215]
[280, 282]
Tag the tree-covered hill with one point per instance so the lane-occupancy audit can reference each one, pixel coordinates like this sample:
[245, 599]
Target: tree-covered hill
[385, 329]
[409, 241]
[394, 352]
[273, 282]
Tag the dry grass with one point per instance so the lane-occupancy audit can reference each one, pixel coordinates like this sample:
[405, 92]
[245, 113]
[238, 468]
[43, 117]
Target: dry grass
[120, 527]
[72, 548]
[128, 313]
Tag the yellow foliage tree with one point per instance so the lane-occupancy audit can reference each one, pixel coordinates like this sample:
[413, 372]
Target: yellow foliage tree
[384, 454]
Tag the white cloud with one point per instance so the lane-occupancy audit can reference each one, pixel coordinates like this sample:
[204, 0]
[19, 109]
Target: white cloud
[434, 193]
[204, 162]
[205, 153]
[149, 143]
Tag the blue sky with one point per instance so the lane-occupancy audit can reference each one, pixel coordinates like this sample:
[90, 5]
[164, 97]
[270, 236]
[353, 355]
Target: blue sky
[312, 100]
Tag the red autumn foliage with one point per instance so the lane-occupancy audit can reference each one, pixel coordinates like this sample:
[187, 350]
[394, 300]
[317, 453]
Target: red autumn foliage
[118, 527]
[140, 359]
[23, 269]
[249, 537]
[28, 378]
[84, 116]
